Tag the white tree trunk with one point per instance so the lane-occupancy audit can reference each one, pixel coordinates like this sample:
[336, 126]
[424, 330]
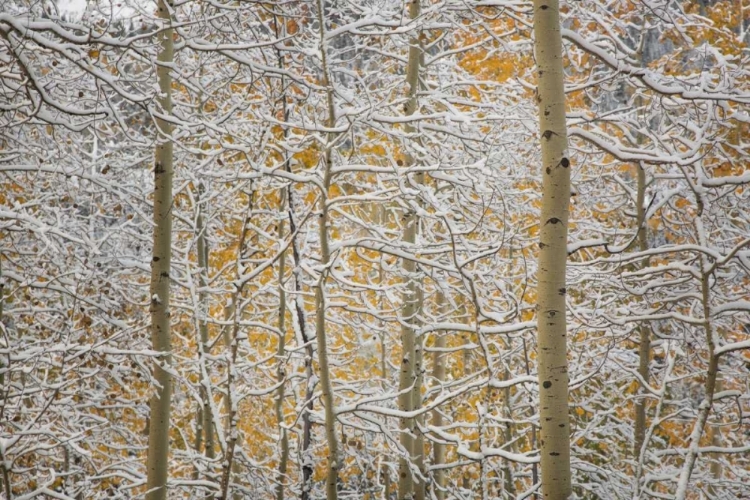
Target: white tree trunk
[644, 332]
[712, 373]
[438, 373]
[231, 341]
[334, 460]
[207, 416]
[411, 355]
[551, 322]
[160, 403]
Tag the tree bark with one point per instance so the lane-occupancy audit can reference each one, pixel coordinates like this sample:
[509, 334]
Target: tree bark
[334, 460]
[409, 378]
[712, 373]
[438, 373]
[207, 417]
[281, 373]
[5, 485]
[281, 349]
[322, 344]
[644, 332]
[157, 464]
[231, 341]
[299, 313]
[551, 321]
[716, 469]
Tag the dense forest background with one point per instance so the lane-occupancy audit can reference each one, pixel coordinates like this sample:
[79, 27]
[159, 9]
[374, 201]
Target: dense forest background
[289, 249]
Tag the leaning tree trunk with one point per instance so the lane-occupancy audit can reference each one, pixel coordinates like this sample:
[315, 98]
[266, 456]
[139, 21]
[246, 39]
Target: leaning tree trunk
[160, 403]
[712, 372]
[553, 253]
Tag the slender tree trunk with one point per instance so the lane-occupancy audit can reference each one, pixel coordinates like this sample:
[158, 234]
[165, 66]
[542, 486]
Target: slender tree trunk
[157, 464]
[334, 460]
[198, 443]
[438, 373]
[281, 372]
[410, 378]
[644, 332]
[481, 413]
[207, 416]
[510, 490]
[280, 352]
[712, 373]
[298, 316]
[299, 310]
[716, 469]
[467, 369]
[4, 472]
[551, 321]
[307, 458]
[231, 341]
[321, 338]
[706, 404]
[407, 373]
[205, 428]
[416, 399]
[385, 378]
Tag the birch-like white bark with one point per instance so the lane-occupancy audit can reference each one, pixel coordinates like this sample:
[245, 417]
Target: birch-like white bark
[231, 341]
[712, 373]
[281, 349]
[551, 286]
[334, 459]
[157, 464]
[411, 355]
[438, 373]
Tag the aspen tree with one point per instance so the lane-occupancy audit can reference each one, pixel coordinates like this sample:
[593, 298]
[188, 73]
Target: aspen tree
[206, 417]
[553, 235]
[334, 460]
[160, 404]
[712, 381]
[411, 357]
[5, 485]
[298, 314]
[381, 218]
[280, 352]
[716, 442]
[509, 486]
[644, 332]
[281, 373]
[231, 340]
[438, 373]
